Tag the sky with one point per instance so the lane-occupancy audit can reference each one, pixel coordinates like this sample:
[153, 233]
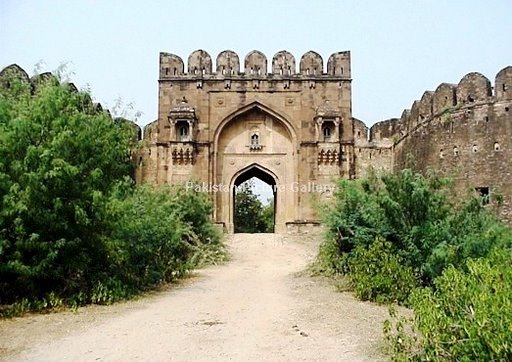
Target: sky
[399, 48]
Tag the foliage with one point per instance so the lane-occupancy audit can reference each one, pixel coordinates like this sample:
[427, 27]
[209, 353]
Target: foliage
[400, 336]
[158, 234]
[196, 209]
[58, 161]
[378, 274]
[73, 228]
[148, 241]
[268, 216]
[466, 316]
[352, 220]
[427, 229]
[250, 214]
[403, 238]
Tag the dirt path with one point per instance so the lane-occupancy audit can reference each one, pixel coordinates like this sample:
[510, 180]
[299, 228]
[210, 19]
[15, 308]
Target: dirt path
[254, 308]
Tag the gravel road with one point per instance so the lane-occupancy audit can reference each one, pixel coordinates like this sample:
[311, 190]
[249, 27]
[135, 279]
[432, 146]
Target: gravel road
[257, 307]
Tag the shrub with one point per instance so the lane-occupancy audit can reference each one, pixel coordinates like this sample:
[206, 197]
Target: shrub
[73, 227]
[195, 209]
[466, 316]
[469, 231]
[148, 243]
[427, 230]
[59, 158]
[352, 220]
[379, 275]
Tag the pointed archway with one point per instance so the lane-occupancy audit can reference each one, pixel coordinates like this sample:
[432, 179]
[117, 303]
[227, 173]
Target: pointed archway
[250, 172]
[254, 141]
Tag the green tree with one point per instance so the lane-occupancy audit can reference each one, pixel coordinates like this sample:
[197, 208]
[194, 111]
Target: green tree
[248, 210]
[59, 158]
[73, 226]
[268, 216]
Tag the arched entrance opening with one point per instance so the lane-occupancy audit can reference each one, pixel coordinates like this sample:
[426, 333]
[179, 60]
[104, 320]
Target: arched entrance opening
[254, 201]
[254, 141]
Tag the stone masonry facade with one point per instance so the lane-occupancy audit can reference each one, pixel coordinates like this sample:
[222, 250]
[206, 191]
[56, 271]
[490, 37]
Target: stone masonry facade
[220, 125]
[291, 125]
[463, 131]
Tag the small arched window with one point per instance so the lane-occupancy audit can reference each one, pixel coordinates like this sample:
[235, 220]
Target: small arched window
[183, 131]
[327, 131]
[255, 139]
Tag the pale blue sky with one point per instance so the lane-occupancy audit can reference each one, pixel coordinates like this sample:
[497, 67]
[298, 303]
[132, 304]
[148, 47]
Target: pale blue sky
[399, 48]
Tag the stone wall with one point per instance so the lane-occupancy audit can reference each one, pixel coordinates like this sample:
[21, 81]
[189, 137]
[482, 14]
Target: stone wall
[208, 114]
[14, 71]
[373, 149]
[209, 111]
[463, 131]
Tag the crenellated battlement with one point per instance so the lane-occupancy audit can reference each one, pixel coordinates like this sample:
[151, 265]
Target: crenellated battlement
[228, 66]
[218, 119]
[460, 130]
[473, 90]
[14, 71]
[289, 116]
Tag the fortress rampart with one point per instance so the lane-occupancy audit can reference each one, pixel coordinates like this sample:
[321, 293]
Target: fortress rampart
[228, 65]
[292, 123]
[286, 122]
[463, 131]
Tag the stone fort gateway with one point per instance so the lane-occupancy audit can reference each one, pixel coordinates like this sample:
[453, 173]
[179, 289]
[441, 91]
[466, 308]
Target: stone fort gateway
[291, 126]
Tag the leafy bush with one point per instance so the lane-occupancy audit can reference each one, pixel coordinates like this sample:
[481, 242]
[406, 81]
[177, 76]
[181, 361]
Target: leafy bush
[58, 160]
[378, 274]
[195, 209]
[251, 216]
[73, 227]
[148, 243]
[468, 231]
[449, 259]
[160, 233]
[352, 220]
[466, 316]
[426, 228]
